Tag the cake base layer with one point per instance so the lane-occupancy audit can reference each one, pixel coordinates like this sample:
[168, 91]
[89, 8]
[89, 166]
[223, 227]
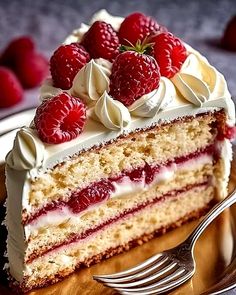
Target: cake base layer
[118, 236]
[24, 287]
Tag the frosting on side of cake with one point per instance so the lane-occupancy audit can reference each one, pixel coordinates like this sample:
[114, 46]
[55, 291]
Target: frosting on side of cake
[196, 89]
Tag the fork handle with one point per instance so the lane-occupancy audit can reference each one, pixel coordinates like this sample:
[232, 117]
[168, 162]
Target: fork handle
[211, 215]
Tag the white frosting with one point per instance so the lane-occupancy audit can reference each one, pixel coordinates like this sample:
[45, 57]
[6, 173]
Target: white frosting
[92, 80]
[150, 104]
[28, 151]
[112, 113]
[16, 245]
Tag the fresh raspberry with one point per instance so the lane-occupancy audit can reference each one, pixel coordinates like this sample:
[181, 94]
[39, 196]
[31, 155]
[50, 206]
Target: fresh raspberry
[65, 63]
[229, 40]
[16, 49]
[60, 118]
[133, 75]
[170, 53]
[91, 195]
[137, 26]
[11, 91]
[31, 69]
[101, 41]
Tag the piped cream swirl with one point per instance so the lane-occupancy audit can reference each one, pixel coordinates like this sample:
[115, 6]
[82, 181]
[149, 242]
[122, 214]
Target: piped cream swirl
[112, 113]
[92, 80]
[28, 151]
[198, 81]
[150, 104]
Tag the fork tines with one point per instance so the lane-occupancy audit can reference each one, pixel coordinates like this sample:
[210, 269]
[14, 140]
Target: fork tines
[158, 274]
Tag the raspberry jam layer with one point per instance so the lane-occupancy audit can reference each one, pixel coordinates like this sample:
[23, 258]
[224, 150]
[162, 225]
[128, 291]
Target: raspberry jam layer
[73, 238]
[98, 192]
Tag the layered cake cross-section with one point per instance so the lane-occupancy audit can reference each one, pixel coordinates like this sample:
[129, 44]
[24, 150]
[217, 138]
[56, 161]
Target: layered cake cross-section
[132, 138]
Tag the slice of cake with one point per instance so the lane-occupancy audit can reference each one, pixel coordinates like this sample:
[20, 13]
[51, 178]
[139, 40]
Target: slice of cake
[128, 142]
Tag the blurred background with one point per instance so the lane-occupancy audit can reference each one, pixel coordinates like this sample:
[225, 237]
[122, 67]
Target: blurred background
[199, 23]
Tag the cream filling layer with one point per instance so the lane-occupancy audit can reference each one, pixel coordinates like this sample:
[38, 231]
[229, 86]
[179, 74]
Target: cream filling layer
[122, 189]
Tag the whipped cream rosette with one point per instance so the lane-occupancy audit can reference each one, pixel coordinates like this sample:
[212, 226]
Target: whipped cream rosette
[92, 80]
[198, 81]
[112, 113]
[28, 151]
[150, 104]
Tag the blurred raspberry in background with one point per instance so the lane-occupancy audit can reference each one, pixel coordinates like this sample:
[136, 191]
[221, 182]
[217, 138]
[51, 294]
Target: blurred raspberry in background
[22, 66]
[229, 37]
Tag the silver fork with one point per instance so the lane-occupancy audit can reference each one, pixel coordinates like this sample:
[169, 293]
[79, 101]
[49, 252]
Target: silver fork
[167, 270]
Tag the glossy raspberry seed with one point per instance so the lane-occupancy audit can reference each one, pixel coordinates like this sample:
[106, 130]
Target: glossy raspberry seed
[60, 119]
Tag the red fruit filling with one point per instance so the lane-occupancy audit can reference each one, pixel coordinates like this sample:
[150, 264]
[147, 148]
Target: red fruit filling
[75, 237]
[91, 195]
[229, 132]
[102, 190]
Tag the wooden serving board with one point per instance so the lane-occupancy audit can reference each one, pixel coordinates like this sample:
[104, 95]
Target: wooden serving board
[213, 252]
